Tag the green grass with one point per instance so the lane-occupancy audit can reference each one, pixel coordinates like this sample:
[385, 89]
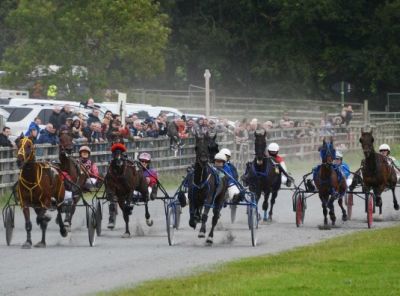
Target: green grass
[365, 263]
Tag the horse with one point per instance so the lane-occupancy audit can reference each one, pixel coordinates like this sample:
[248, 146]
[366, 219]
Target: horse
[75, 174]
[122, 179]
[376, 172]
[330, 182]
[39, 186]
[263, 175]
[206, 189]
[212, 147]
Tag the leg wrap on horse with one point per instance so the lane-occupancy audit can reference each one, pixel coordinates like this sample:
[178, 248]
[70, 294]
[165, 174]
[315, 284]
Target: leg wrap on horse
[28, 226]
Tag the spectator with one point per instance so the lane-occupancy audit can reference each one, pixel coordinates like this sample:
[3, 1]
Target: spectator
[347, 115]
[55, 118]
[48, 135]
[181, 128]
[94, 117]
[93, 133]
[201, 127]
[173, 134]
[65, 113]
[241, 132]
[33, 134]
[191, 127]
[267, 126]
[4, 141]
[68, 125]
[284, 122]
[161, 122]
[150, 128]
[77, 131]
[34, 125]
[90, 103]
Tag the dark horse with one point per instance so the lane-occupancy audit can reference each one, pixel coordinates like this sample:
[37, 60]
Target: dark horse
[40, 186]
[263, 175]
[330, 182]
[122, 179]
[212, 147]
[376, 172]
[207, 188]
[76, 174]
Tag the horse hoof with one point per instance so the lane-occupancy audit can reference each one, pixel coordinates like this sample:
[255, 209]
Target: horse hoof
[64, 232]
[149, 222]
[201, 234]
[40, 245]
[126, 235]
[192, 224]
[324, 227]
[67, 227]
[396, 207]
[209, 240]
[344, 217]
[27, 245]
[111, 225]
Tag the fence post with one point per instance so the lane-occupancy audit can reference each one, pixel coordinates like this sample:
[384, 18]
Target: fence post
[366, 113]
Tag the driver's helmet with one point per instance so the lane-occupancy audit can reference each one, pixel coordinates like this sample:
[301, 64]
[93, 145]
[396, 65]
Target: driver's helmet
[85, 148]
[273, 149]
[384, 147]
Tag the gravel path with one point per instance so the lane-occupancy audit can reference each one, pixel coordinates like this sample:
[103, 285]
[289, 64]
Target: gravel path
[68, 266]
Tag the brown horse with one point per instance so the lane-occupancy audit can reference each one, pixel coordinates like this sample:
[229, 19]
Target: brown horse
[377, 174]
[76, 175]
[122, 179]
[330, 182]
[40, 186]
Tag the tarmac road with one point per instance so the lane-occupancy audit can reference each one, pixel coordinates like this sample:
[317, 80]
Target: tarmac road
[69, 266]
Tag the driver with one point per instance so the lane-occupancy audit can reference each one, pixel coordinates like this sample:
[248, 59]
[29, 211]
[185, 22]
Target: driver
[273, 150]
[90, 166]
[384, 149]
[149, 173]
[344, 167]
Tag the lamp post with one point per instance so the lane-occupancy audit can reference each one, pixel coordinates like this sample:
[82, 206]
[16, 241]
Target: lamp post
[207, 76]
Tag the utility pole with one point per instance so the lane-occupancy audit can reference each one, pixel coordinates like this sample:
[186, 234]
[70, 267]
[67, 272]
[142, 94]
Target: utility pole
[207, 76]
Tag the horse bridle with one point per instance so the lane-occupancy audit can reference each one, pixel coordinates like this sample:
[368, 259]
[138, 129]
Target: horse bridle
[21, 150]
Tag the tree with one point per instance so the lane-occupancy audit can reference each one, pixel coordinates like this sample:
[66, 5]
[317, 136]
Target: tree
[118, 42]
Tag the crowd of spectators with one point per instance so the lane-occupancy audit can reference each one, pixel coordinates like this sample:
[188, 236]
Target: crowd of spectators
[92, 129]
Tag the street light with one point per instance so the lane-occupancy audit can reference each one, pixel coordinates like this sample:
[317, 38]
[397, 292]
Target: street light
[207, 76]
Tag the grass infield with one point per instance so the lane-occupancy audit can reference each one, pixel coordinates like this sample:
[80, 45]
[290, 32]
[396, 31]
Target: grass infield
[363, 263]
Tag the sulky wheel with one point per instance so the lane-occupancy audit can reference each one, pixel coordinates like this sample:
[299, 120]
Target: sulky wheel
[233, 213]
[170, 224]
[349, 204]
[91, 225]
[299, 210]
[9, 223]
[253, 224]
[99, 217]
[370, 209]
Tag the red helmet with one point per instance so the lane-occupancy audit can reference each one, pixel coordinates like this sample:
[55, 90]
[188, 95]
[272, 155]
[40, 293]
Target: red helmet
[118, 146]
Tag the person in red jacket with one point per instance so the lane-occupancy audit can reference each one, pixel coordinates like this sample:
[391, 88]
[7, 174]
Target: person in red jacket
[150, 174]
[273, 150]
[90, 166]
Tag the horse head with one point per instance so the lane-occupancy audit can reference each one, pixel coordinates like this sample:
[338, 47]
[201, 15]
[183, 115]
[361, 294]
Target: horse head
[118, 162]
[327, 151]
[66, 145]
[367, 143]
[260, 144]
[201, 149]
[212, 147]
[26, 151]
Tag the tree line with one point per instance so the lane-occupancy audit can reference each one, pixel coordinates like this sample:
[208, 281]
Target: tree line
[287, 48]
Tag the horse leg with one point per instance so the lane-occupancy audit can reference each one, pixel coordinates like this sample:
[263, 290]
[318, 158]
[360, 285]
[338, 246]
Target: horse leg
[395, 203]
[344, 213]
[216, 215]
[126, 211]
[149, 221]
[63, 229]
[28, 228]
[325, 211]
[204, 217]
[42, 219]
[265, 205]
[378, 197]
[332, 210]
[112, 210]
[273, 198]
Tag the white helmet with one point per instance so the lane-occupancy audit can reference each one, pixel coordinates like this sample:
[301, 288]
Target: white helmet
[144, 156]
[339, 154]
[384, 147]
[220, 156]
[273, 147]
[226, 152]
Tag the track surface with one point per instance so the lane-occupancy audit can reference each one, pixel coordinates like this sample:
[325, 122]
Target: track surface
[68, 266]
